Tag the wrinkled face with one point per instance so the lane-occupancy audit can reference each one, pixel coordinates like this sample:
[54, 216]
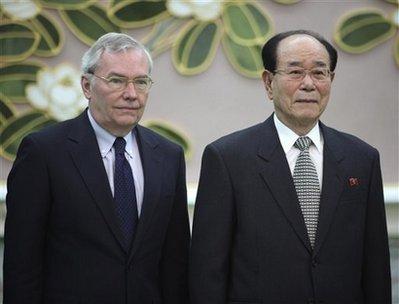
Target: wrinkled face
[117, 111]
[299, 103]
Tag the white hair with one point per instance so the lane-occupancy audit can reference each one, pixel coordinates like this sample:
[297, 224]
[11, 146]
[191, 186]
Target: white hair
[112, 43]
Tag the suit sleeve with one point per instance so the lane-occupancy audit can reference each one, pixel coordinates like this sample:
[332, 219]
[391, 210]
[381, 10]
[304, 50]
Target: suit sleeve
[28, 201]
[174, 263]
[376, 277]
[213, 227]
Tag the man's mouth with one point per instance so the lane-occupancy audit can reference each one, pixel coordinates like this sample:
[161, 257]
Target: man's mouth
[306, 100]
[126, 108]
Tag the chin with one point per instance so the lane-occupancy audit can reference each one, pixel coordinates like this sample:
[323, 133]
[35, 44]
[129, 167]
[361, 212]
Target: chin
[306, 115]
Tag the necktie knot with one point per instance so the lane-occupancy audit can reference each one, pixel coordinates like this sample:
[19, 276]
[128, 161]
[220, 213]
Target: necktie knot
[119, 145]
[303, 143]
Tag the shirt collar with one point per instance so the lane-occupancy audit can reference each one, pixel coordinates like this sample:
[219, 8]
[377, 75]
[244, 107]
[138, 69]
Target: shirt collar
[288, 137]
[106, 140]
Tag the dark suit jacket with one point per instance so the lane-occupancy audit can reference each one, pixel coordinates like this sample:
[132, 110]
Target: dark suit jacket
[63, 243]
[249, 242]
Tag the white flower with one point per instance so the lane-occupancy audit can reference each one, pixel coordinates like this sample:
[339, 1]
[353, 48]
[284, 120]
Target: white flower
[203, 10]
[58, 92]
[20, 9]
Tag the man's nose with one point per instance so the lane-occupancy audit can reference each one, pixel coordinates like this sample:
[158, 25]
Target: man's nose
[130, 91]
[307, 83]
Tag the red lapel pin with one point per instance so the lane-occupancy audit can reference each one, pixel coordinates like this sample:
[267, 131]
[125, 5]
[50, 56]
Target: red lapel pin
[353, 181]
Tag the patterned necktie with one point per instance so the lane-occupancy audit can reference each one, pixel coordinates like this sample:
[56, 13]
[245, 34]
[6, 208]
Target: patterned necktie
[307, 187]
[124, 192]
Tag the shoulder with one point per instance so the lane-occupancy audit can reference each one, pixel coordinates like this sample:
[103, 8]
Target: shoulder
[348, 142]
[156, 139]
[240, 138]
[53, 134]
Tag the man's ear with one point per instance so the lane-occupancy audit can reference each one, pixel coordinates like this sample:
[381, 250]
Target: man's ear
[86, 88]
[332, 75]
[267, 82]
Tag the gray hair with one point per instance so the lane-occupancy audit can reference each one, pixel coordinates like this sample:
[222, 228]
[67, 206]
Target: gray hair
[112, 43]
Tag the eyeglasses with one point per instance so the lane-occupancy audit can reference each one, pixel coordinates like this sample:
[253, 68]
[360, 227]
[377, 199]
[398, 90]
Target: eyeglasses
[119, 83]
[317, 74]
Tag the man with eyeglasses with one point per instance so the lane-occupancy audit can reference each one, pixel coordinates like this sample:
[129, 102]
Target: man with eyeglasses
[291, 211]
[97, 205]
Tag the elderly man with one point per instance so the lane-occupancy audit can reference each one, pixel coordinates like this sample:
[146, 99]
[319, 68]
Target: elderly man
[289, 210]
[97, 207]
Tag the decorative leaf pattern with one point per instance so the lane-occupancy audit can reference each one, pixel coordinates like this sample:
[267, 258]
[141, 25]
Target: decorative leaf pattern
[162, 36]
[18, 41]
[246, 24]
[88, 24]
[362, 30]
[7, 109]
[15, 77]
[17, 128]
[246, 60]
[65, 5]
[171, 133]
[133, 13]
[287, 1]
[196, 47]
[51, 36]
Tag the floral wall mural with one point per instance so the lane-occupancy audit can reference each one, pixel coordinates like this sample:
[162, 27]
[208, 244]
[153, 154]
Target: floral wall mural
[34, 95]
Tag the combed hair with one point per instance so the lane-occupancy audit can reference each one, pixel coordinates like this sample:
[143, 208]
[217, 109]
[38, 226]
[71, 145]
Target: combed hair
[112, 43]
[269, 51]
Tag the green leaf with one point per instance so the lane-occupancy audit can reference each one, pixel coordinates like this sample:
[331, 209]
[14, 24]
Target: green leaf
[246, 23]
[362, 30]
[17, 41]
[170, 133]
[88, 24]
[196, 47]
[15, 77]
[246, 60]
[66, 5]
[51, 35]
[7, 109]
[134, 13]
[162, 36]
[17, 128]
[287, 1]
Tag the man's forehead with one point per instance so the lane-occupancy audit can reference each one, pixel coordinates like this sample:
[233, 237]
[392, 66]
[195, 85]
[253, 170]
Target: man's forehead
[130, 52]
[128, 57]
[295, 49]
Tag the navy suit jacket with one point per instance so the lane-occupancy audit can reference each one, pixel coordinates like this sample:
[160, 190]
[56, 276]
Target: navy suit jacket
[63, 243]
[249, 241]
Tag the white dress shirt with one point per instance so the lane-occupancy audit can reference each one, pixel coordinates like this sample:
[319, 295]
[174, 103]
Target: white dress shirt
[105, 142]
[288, 138]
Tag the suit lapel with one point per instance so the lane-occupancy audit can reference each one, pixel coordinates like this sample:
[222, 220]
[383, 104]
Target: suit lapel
[333, 182]
[277, 175]
[83, 147]
[151, 159]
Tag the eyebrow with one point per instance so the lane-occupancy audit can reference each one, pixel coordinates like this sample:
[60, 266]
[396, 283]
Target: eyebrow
[318, 63]
[120, 75]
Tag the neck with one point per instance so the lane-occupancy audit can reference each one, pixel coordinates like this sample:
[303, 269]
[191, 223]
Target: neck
[300, 127]
[116, 131]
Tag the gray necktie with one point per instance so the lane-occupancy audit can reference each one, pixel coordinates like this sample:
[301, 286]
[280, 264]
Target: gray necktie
[307, 187]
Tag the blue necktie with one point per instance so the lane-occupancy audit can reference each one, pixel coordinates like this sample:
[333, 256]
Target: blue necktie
[124, 193]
